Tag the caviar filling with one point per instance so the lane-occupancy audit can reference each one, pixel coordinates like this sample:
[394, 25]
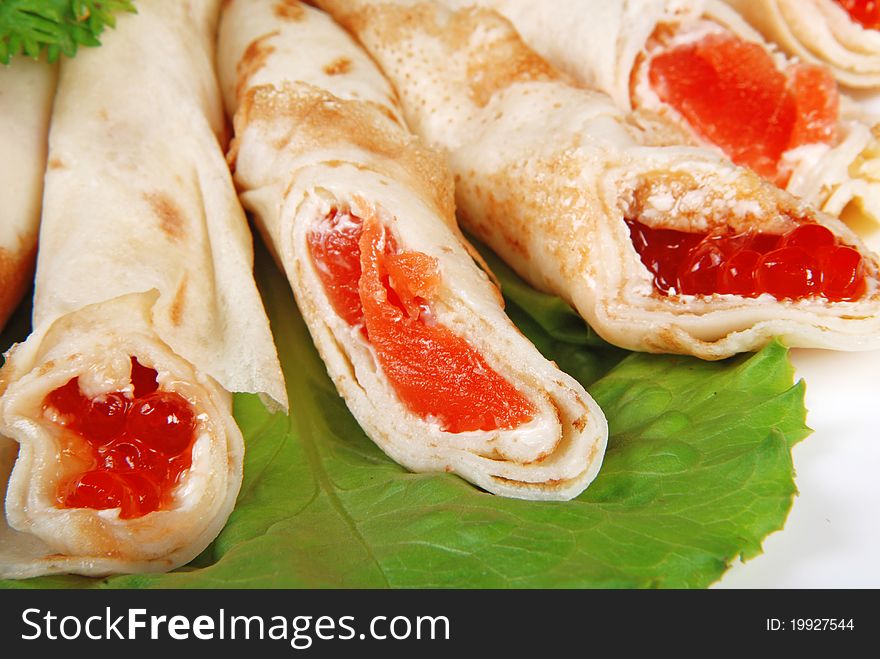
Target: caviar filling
[130, 448]
[864, 12]
[386, 292]
[733, 95]
[806, 261]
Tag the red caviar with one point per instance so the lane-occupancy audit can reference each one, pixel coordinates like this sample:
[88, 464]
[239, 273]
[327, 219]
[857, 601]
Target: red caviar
[733, 95]
[864, 12]
[434, 372]
[136, 446]
[806, 261]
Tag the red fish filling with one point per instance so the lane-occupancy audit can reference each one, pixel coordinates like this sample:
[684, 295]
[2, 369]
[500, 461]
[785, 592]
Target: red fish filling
[864, 12]
[733, 95]
[806, 261]
[132, 448]
[387, 292]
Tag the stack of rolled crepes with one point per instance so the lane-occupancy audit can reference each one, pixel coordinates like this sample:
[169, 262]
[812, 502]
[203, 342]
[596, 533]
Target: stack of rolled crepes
[122, 454]
[841, 34]
[26, 91]
[360, 216]
[695, 72]
[662, 249]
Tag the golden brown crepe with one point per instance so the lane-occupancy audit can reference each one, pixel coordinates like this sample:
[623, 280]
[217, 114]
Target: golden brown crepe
[26, 91]
[607, 44]
[318, 137]
[145, 254]
[548, 173]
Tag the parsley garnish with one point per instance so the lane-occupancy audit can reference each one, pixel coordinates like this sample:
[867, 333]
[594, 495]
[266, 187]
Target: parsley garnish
[58, 26]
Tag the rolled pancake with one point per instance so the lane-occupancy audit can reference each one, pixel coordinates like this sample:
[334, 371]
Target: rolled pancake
[26, 91]
[548, 175]
[318, 138]
[819, 31]
[609, 45]
[144, 255]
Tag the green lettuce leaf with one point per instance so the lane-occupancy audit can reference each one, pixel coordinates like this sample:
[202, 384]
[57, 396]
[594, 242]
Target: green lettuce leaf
[698, 471]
